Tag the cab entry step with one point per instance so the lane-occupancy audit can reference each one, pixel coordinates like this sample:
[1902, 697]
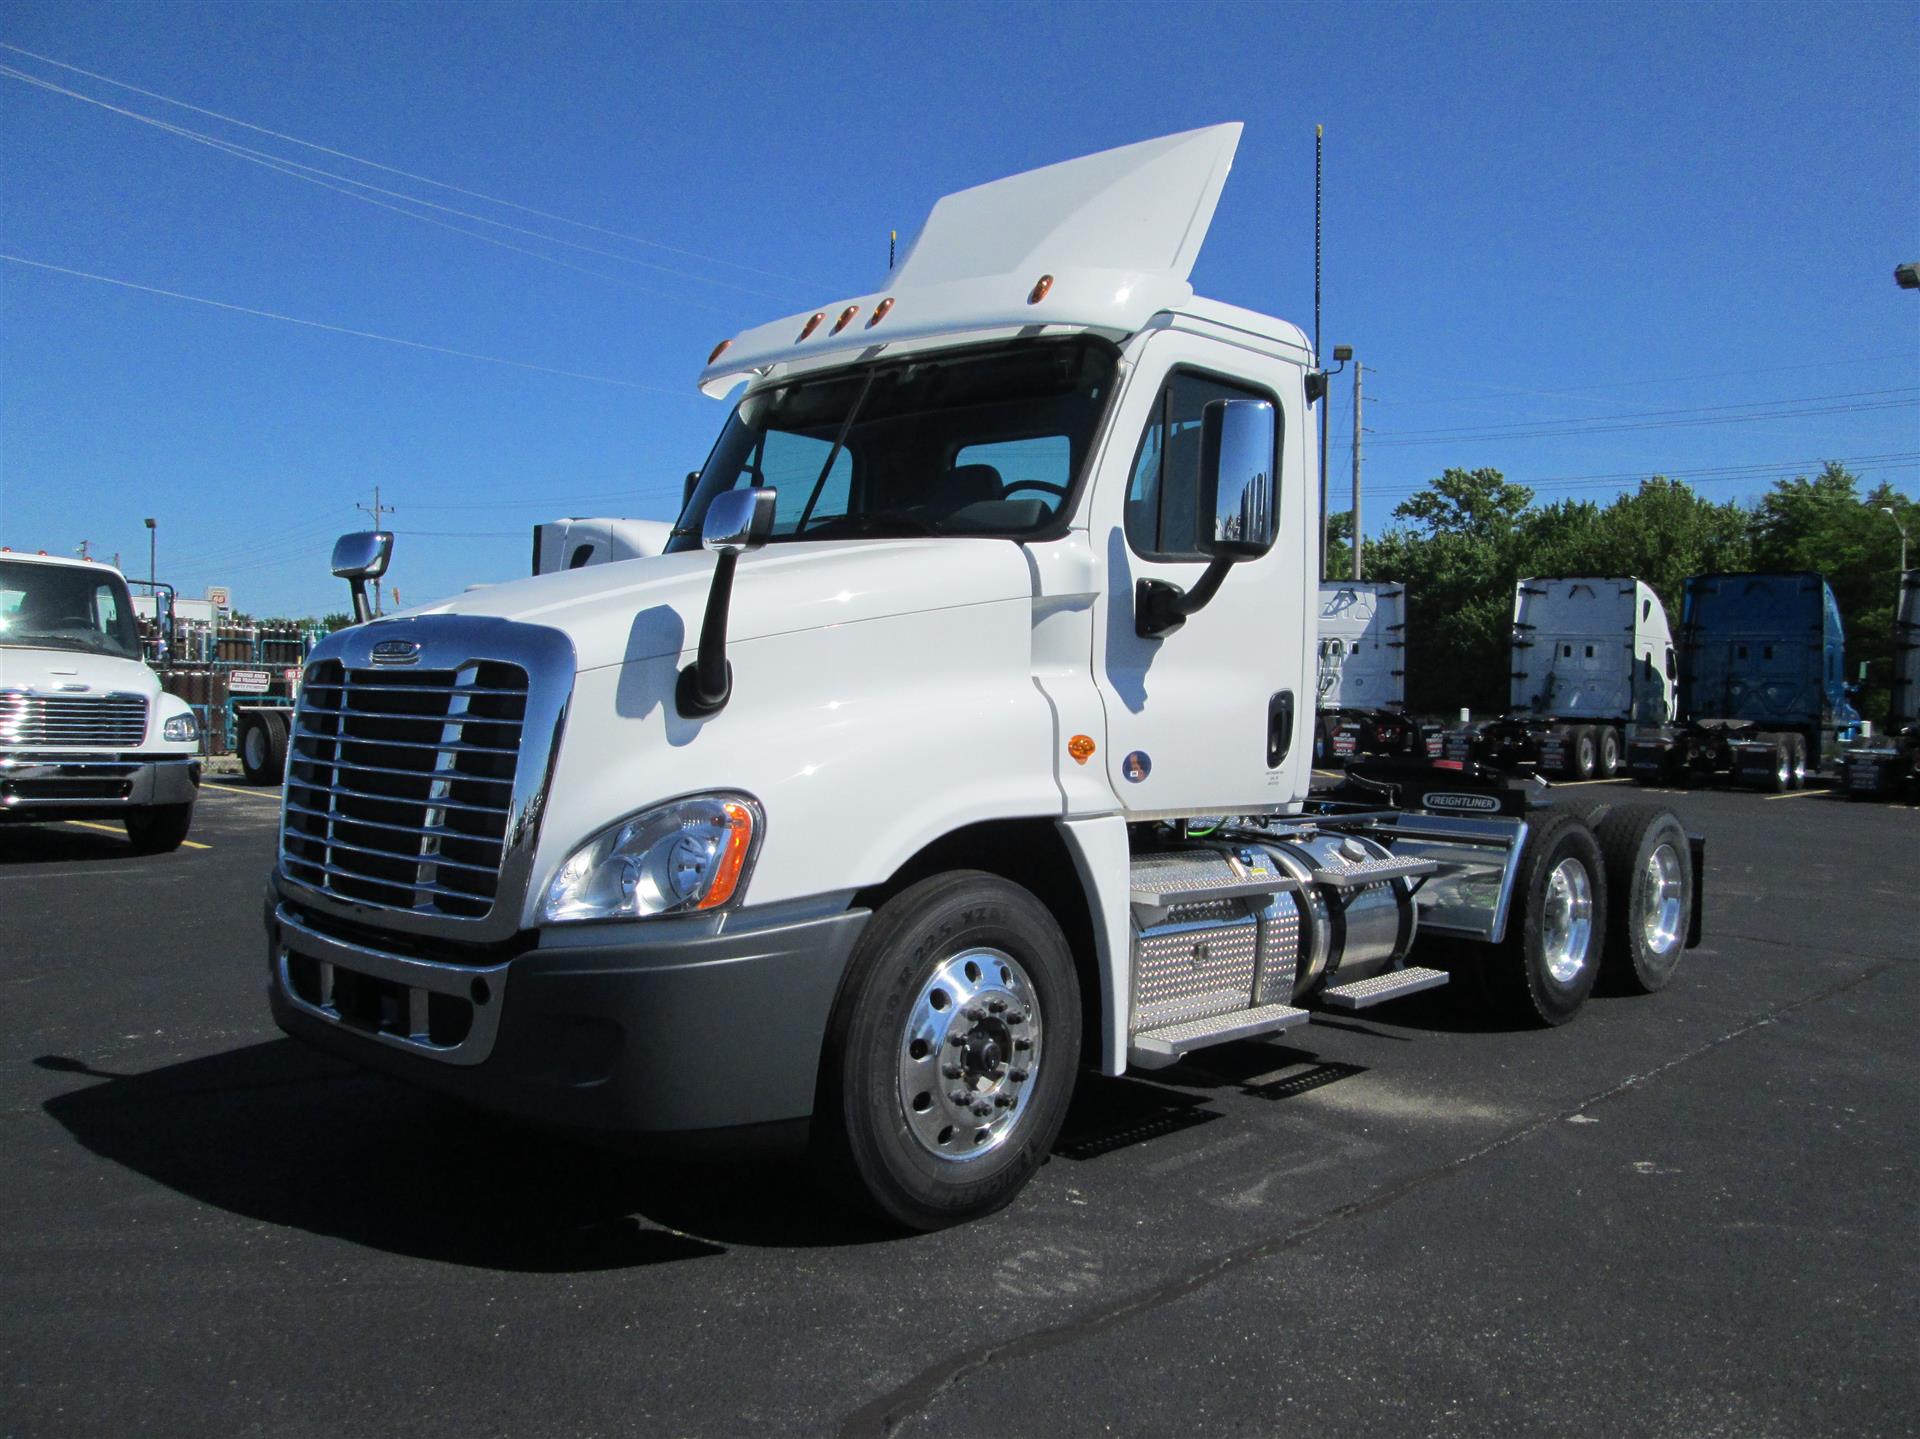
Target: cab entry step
[1363, 993]
[1157, 1048]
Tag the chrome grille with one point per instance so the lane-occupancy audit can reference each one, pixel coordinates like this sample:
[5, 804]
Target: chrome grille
[400, 784]
[118, 721]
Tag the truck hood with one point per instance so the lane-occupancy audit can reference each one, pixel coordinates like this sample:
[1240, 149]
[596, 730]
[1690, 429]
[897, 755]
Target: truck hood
[53, 671]
[644, 608]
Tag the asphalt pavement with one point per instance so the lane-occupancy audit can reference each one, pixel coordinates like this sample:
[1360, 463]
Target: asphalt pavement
[1689, 1214]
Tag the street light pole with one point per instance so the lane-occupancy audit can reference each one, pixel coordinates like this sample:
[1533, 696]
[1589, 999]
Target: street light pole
[1357, 369]
[153, 532]
[1887, 510]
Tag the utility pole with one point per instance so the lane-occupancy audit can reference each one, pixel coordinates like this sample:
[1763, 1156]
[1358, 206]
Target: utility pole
[1357, 368]
[377, 511]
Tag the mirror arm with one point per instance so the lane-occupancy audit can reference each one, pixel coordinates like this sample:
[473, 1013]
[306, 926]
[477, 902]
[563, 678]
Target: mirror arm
[362, 611]
[706, 685]
[1160, 608]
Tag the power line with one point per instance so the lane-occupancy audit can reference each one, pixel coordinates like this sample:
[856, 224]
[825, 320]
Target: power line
[344, 329]
[1716, 474]
[394, 170]
[1707, 415]
[1651, 414]
[293, 169]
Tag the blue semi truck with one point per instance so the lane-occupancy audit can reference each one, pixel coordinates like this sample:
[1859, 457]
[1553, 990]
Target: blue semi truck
[1763, 696]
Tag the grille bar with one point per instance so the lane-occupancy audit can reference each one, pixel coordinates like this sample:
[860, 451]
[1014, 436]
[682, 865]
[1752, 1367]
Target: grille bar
[117, 720]
[400, 790]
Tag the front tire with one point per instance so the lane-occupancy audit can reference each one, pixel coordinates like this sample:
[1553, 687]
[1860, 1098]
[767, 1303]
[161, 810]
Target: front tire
[158, 828]
[952, 1051]
[1544, 970]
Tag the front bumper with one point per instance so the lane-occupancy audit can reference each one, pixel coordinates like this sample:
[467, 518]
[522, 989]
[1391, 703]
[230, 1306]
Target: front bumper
[47, 784]
[666, 1028]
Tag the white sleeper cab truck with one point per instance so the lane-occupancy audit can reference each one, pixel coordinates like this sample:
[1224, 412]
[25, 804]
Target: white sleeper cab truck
[570, 544]
[1361, 692]
[960, 742]
[85, 729]
[1593, 665]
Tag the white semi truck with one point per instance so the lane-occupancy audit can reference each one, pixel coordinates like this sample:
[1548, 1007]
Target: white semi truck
[86, 732]
[1361, 690]
[959, 743]
[1593, 665]
[571, 544]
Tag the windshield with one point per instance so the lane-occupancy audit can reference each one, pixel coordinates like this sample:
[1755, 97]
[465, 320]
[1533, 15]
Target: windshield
[985, 442]
[66, 607]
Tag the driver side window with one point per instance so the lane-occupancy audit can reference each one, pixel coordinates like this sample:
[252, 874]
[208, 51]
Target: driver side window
[1160, 517]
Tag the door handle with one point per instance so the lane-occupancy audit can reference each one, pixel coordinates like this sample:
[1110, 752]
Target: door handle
[1279, 728]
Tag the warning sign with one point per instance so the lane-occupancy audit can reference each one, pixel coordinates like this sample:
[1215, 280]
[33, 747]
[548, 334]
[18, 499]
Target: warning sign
[249, 682]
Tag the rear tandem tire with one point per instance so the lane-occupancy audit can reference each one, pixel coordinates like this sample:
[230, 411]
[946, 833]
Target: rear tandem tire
[927, 991]
[1583, 752]
[1650, 888]
[158, 828]
[1544, 970]
[1610, 756]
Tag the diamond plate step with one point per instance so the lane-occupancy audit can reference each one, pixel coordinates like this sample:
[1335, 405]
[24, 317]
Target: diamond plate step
[1363, 993]
[1157, 1048]
[1375, 871]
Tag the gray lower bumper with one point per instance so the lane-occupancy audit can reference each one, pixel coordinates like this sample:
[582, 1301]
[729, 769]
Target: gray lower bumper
[665, 1029]
[45, 785]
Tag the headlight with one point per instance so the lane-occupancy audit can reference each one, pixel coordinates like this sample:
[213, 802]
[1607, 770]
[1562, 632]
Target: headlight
[691, 854]
[180, 728]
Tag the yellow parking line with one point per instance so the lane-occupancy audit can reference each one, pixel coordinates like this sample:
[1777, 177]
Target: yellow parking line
[1328, 773]
[272, 796]
[1800, 793]
[116, 829]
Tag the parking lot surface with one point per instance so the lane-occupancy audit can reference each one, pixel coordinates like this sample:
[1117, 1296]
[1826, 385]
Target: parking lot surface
[1692, 1213]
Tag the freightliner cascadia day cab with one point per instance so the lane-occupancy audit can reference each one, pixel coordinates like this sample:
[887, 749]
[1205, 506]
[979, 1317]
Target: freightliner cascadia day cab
[571, 544]
[1891, 765]
[1763, 694]
[1593, 664]
[958, 743]
[1361, 691]
[85, 730]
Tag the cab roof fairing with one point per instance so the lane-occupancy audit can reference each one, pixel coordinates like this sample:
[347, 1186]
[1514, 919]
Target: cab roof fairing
[1115, 234]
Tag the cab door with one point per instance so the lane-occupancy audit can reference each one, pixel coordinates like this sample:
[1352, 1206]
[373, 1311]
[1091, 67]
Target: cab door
[1216, 716]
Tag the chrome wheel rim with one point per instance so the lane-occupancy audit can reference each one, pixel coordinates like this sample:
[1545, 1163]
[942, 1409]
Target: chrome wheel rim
[1782, 771]
[1568, 920]
[1661, 892]
[969, 1055]
[256, 747]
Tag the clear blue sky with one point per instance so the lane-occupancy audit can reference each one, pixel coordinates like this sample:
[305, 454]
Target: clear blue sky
[1535, 214]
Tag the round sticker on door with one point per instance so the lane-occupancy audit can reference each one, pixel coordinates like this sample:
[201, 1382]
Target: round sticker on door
[1136, 766]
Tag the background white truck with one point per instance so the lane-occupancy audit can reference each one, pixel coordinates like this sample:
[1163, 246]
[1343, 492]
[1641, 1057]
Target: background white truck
[85, 730]
[1593, 664]
[960, 740]
[571, 543]
[1361, 692]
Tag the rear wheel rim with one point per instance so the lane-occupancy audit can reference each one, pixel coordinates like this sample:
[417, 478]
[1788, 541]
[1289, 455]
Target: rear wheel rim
[1661, 900]
[969, 1055]
[256, 747]
[1567, 920]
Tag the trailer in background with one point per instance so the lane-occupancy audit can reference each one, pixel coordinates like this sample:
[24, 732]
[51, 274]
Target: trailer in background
[1362, 679]
[1763, 695]
[1593, 665]
[1883, 769]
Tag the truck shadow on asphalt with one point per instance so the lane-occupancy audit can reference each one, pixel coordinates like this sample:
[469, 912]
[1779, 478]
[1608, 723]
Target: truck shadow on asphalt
[280, 1134]
[53, 844]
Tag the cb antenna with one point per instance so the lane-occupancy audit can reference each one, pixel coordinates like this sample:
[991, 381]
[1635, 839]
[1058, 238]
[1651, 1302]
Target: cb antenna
[1319, 133]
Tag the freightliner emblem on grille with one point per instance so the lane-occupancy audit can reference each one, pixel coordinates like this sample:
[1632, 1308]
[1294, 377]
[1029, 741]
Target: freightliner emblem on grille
[396, 652]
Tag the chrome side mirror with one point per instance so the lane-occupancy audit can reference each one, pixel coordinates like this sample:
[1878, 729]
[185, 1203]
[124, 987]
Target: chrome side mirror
[739, 520]
[1238, 493]
[362, 555]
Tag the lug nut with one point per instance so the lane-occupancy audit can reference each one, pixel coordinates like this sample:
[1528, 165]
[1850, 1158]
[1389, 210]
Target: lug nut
[998, 1006]
[1019, 1076]
[983, 1109]
[952, 1071]
[976, 1014]
[1023, 1044]
[1003, 1101]
[956, 1038]
[959, 1096]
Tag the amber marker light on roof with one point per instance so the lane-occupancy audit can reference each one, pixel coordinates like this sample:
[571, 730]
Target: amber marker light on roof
[1039, 290]
[718, 350]
[880, 312]
[813, 323]
[846, 318]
